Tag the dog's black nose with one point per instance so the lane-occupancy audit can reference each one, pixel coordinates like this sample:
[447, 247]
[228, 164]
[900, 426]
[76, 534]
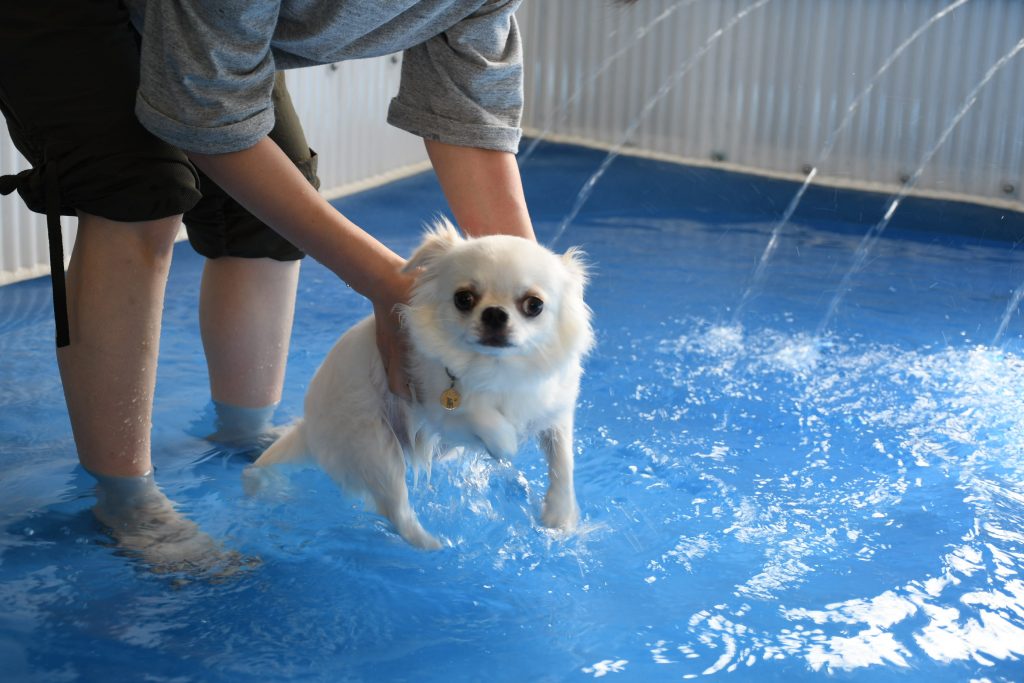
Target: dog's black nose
[494, 318]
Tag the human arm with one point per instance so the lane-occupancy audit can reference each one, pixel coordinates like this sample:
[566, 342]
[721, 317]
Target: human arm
[462, 92]
[268, 184]
[463, 87]
[483, 189]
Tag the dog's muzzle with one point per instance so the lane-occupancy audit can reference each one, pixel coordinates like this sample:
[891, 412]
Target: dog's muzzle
[494, 324]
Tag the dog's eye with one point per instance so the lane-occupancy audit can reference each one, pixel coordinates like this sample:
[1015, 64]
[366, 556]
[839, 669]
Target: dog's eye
[464, 300]
[531, 306]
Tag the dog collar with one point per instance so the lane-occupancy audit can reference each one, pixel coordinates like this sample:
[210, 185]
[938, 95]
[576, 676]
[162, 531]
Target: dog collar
[450, 397]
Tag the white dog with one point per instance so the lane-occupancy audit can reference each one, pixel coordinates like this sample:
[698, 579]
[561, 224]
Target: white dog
[498, 329]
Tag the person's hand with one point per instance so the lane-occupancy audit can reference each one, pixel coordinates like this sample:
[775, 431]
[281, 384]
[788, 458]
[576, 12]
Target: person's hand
[391, 339]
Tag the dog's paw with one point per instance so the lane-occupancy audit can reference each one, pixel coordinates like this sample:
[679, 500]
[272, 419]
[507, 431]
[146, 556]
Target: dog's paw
[560, 512]
[501, 441]
[428, 542]
[421, 539]
[410, 529]
[265, 483]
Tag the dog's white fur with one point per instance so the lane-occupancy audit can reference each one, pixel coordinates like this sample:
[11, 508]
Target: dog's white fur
[516, 382]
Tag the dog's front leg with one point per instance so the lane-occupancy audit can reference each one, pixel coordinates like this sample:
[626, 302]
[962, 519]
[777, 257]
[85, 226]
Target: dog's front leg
[560, 510]
[491, 428]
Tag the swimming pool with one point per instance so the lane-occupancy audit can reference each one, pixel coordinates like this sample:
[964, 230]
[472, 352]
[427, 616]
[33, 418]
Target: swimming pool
[757, 504]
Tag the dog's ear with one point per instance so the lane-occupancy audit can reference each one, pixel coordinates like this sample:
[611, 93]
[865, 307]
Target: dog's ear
[576, 263]
[438, 240]
[574, 321]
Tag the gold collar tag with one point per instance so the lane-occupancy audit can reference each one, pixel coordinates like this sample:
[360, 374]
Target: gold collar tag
[450, 397]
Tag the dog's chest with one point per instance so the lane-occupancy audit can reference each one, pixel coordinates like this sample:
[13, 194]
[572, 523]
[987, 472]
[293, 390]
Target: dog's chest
[493, 407]
[462, 417]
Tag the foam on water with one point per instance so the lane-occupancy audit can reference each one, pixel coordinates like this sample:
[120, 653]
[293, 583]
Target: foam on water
[826, 501]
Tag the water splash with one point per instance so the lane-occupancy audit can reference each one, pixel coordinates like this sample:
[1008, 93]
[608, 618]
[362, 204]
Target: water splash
[869, 239]
[665, 89]
[826, 151]
[1011, 308]
[559, 113]
[884, 434]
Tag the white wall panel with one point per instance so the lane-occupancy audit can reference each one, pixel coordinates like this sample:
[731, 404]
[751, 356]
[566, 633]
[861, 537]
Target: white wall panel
[23, 250]
[343, 108]
[769, 92]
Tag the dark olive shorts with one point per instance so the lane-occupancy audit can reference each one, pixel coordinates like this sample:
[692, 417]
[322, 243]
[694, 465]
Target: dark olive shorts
[69, 71]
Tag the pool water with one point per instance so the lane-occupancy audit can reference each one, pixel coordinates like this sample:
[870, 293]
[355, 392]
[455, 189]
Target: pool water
[757, 504]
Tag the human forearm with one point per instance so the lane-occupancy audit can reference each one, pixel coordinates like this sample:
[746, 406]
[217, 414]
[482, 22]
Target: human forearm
[265, 181]
[483, 189]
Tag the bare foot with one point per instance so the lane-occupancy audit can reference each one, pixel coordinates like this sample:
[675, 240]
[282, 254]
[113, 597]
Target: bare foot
[145, 524]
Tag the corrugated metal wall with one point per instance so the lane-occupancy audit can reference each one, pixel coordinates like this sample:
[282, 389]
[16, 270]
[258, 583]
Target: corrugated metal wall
[767, 92]
[343, 109]
[751, 84]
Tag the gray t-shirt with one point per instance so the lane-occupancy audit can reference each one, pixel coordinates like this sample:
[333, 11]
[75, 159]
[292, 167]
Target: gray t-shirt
[208, 65]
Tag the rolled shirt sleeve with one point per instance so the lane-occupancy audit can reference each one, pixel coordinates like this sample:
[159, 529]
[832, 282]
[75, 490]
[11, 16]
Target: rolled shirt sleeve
[207, 73]
[465, 86]
[207, 66]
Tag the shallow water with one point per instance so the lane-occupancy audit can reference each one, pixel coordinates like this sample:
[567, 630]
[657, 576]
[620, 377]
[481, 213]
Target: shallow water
[757, 504]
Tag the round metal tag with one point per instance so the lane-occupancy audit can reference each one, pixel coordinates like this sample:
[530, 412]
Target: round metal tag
[450, 398]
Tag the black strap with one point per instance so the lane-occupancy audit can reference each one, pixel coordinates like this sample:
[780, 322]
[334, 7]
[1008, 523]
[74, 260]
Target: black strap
[8, 184]
[53, 234]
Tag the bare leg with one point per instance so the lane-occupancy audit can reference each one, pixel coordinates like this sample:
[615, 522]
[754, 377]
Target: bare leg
[246, 310]
[116, 287]
[115, 301]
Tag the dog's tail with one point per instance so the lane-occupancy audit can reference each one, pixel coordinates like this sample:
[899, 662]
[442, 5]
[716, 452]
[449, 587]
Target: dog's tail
[289, 448]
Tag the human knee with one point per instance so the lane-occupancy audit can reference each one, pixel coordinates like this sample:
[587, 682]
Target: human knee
[148, 243]
[155, 239]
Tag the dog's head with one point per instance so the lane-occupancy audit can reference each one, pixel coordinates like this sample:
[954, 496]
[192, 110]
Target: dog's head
[497, 296]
